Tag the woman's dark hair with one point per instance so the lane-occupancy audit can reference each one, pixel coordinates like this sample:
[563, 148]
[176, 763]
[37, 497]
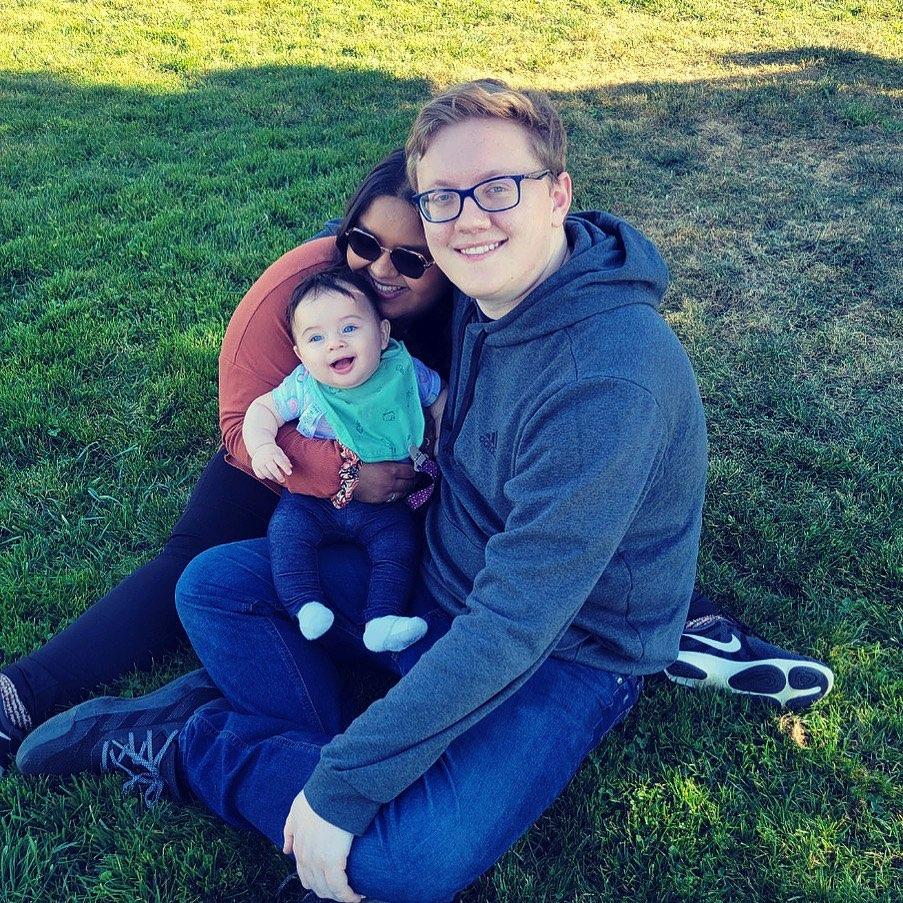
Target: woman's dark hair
[429, 337]
[387, 179]
[338, 277]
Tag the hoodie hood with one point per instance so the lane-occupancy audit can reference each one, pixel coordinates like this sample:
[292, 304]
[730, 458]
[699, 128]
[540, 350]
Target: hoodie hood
[611, 265]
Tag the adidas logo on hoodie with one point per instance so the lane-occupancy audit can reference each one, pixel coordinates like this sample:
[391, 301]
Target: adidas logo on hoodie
[489, 441]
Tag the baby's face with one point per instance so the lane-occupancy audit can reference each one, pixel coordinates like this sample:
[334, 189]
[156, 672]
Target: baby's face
[338, 339]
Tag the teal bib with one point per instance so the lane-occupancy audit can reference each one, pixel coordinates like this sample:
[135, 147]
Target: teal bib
[380, 419]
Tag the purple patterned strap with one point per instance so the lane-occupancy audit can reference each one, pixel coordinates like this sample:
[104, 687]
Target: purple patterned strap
[422, 464]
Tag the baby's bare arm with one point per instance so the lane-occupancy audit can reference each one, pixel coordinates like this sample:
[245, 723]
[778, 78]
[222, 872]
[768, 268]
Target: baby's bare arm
[261, 423]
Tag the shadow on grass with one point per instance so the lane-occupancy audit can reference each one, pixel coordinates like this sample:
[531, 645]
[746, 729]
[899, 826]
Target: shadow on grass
[133, 222]
[270, 152]
[848, 66]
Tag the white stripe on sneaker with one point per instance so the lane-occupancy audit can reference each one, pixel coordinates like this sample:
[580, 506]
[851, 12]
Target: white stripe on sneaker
[732, 646]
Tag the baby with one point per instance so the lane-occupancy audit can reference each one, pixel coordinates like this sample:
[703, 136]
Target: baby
[358, 386]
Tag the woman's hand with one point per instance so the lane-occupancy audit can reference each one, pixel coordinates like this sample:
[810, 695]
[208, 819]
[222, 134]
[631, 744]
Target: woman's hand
[321, 852]
[384, 481]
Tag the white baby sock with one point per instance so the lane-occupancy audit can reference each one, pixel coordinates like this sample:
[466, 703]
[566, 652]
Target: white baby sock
[392, 633]
[314, 619]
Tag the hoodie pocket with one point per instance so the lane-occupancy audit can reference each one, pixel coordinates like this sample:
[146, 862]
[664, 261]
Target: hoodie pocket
[461, 555]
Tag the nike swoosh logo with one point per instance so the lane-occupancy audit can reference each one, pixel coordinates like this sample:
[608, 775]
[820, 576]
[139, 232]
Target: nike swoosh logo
[732, 646]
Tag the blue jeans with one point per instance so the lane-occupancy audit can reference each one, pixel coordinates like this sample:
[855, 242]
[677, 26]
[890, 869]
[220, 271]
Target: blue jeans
[301, 525]
[248, 755]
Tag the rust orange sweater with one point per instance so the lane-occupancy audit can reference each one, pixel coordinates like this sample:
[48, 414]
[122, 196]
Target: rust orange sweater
[257, 355]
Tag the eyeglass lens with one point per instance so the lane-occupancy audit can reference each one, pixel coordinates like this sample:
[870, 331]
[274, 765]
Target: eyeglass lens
[408, 263]
[494, 196]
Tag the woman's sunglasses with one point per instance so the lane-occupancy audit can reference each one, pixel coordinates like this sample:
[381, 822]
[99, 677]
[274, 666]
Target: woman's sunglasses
[408, 263]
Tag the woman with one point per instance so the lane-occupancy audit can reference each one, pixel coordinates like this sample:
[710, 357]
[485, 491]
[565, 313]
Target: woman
[136, 621]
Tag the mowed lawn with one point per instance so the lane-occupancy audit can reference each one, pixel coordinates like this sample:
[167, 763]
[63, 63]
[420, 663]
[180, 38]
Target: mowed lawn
[156, 156]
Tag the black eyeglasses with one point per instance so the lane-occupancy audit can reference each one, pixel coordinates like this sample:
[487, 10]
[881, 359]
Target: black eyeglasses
[408, 263]
[442, 205]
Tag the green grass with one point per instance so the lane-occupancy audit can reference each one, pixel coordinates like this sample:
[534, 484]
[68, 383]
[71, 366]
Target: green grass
[156, 156]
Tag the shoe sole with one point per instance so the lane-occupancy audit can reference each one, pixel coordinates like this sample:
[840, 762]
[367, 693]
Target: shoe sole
[793, 685]
[43, 743]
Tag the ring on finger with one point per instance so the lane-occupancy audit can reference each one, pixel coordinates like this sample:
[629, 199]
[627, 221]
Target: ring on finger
[393, 497]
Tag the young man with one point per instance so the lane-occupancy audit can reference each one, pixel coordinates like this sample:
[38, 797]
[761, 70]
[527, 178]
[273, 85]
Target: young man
[559, 561]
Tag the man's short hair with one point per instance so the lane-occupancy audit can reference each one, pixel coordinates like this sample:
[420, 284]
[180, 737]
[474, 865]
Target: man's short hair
[490, 98]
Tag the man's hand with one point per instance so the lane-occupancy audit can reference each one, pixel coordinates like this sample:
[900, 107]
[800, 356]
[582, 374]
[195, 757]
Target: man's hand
[321, 852]
[270, 462]
[384, 481]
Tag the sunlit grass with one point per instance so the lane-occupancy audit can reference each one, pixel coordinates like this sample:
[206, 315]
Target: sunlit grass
[156, 156]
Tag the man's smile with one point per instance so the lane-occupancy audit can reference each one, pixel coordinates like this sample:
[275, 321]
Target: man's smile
[477, 251]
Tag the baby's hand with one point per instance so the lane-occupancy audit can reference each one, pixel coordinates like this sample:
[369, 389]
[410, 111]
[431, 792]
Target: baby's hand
[269, 462]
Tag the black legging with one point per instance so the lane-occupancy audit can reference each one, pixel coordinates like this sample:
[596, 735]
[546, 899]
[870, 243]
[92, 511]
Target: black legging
[137, 621]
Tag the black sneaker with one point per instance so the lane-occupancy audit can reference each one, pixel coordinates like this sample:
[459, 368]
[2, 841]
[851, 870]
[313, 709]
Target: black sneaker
[291, 890]
[719, 651]
[111, 735]
[10, 739]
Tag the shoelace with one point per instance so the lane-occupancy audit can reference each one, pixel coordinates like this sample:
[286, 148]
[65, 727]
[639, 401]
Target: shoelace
[289, 888]
[13, 709]
[705, 620]
[141, 765]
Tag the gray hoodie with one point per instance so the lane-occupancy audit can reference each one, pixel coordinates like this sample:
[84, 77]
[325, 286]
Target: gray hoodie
[573, 455]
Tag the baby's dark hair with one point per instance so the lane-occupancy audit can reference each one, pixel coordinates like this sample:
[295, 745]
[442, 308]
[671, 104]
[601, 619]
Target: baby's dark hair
[337, 277]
